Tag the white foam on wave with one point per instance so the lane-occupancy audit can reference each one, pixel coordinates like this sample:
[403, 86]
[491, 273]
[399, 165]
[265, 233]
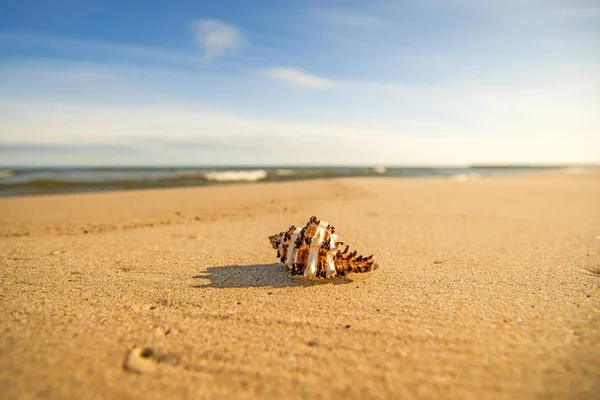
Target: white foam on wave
[236, 176]
[466, 177]
[285, 172]
[582, 169]
[6, 173]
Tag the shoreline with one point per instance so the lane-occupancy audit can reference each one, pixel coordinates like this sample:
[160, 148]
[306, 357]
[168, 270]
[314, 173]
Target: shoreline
[85, 180]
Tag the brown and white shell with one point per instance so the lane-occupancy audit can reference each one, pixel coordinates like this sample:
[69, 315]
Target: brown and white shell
[314, 251]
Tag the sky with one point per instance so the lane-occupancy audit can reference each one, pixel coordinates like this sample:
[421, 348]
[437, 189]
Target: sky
[313, 82]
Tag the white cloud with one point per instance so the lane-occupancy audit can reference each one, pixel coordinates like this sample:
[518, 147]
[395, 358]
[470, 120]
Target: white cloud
[296, 77]
[567, 10]
[576, 12]
[173, 116]
[217, 37]
[191, 134]
[349, 19]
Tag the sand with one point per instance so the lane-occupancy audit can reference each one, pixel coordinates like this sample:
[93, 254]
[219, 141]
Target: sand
[487, 288]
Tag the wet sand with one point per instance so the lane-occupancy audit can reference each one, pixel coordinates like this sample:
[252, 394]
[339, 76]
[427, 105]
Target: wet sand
[487, 288]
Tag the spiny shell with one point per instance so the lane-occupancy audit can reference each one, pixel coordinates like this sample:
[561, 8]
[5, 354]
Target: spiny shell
[314, 251]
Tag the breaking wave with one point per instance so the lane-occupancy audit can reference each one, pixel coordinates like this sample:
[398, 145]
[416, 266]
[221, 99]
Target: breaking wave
[6, 173]
[237, 176]
[285, 172]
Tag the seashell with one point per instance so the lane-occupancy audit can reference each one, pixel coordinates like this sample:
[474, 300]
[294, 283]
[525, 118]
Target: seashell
[314, 251]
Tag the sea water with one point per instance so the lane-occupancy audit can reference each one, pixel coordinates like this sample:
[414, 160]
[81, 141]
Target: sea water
[35, 180]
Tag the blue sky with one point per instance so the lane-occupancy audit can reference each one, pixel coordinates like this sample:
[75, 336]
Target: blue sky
[87, 82]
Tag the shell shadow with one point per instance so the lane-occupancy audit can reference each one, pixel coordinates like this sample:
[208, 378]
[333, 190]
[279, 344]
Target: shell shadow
[258, 275]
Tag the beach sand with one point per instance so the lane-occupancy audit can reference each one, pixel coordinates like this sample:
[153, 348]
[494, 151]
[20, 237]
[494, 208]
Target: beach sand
[487, 288]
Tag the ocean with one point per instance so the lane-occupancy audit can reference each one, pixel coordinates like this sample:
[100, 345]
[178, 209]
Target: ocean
[30, 181]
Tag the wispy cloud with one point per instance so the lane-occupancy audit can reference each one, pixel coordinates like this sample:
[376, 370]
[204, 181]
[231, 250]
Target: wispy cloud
[58, 48]
[576, 12]
[564, 10]
[63, 149]
[296, 77]
[217, 37]
[194, 134]
[348, 19]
